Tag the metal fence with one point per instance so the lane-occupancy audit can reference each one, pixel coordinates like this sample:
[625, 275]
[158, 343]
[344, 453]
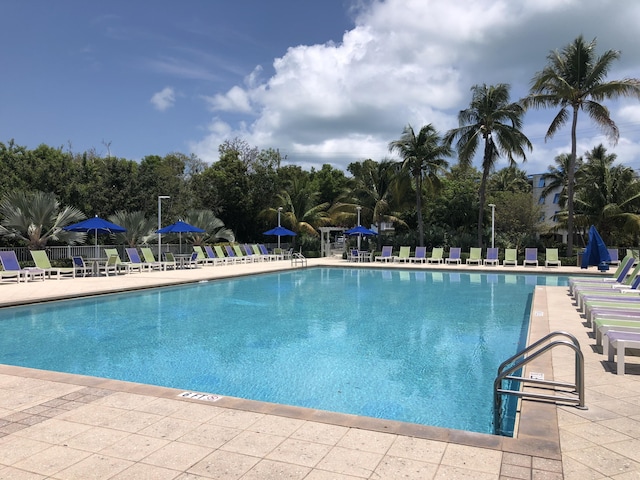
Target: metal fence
[93, 251]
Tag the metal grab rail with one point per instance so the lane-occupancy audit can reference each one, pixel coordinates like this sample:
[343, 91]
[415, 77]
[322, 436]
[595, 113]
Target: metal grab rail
[298, 259]
[520, 360]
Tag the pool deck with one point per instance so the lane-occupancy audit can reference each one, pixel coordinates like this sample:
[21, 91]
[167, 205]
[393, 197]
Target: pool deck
[62, 426]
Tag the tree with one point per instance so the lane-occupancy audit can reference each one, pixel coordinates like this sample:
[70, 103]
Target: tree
[492, 119]
[37, 218]
[608, 196]
[558, 177]
[140, 228]
[574, 80]
[423, 157]
[509, 179]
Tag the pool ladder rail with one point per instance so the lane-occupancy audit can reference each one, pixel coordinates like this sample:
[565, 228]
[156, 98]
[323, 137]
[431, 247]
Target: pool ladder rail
[297, 259]
[564, 393]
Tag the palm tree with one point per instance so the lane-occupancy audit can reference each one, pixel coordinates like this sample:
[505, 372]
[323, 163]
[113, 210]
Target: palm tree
[301, 211]
[509, 179]
[378, 189]
[34, 218]
[139, 227]
[423, 157]
[215, 230]
[490, 118]
[574, 80]
[557, 177]
[608, 196]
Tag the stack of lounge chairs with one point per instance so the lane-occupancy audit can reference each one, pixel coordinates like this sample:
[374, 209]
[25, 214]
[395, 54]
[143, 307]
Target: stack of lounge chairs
[611, 306]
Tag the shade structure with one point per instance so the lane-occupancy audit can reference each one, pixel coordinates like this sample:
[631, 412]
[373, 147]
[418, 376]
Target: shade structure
[280, 232]
[96, 225]
[180, 227]
[360, 230]
[596, 251]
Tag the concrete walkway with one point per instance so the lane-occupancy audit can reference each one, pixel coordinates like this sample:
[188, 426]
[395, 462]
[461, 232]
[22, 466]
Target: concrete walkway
[62, 426]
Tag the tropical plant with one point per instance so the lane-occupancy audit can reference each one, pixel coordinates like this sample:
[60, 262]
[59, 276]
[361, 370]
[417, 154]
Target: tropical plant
[301, 211]
[574, 80]
[608, 196]
[139, 227]
[423, 157]
[215, 230]
[496, 122]
[557, 177]
[509, 179]
[35, 218]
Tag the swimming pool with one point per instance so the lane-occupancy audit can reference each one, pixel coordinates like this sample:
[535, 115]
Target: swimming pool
[417, 346]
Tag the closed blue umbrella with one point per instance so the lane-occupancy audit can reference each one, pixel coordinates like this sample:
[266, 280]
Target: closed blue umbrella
[180, 227]
[596, 251]
[96, 225]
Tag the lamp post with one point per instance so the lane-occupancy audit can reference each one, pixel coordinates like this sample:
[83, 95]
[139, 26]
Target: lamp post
[358, 208]
[160, 197]
[493, 223]
[279, 210]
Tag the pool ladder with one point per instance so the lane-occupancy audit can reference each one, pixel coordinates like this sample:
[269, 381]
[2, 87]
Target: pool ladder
[533, 351]
[298, 259]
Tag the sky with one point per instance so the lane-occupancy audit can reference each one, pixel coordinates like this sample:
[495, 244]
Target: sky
[329, 82]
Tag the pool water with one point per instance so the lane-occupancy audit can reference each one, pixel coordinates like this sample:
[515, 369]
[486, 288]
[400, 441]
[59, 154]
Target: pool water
[415, 346]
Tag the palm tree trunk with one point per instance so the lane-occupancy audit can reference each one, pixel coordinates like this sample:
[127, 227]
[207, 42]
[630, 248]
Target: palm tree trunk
[419, 209]
[486, 165]
[570, 181]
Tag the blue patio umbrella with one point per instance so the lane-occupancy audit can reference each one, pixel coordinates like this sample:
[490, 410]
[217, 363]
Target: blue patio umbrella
[96, 225]
[180, 227]
[280, 232]
[596, 251]
[360, 230]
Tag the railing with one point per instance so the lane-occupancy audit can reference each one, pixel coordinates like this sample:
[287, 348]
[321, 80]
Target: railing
[298, 259]
[518, 361]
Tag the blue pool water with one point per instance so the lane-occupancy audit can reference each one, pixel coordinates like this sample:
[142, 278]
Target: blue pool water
[416, 346]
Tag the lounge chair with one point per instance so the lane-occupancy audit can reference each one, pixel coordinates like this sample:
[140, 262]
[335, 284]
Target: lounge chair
[240, 254]
[492, 257]
[147, 254]
[249, 252]
[617, 342]
[607, 292]
[220, 254]
[266, 254]
[110, 266]
[79, 267]
[454, 256]
[134, 258]
[258, 253]
[41, 260]
[530, 257]
[634, 252]
[551, 258]
[232, 254]
[510, 257]
[11, 268]
[614, 258]
[618, 276]
[420, 255]
[475, 256]
[387, 254]
[403, 255]
[212, 255]
[203, 257]
[436, 255]
[127, 267]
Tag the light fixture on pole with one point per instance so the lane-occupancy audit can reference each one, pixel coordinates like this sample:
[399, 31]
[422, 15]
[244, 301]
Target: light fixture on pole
[160, 197]
[359, 235]
[279, 210]
[493, 223]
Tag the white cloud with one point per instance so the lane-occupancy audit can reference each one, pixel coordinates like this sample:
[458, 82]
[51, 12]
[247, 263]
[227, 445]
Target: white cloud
[164, 99]
[414, 61]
